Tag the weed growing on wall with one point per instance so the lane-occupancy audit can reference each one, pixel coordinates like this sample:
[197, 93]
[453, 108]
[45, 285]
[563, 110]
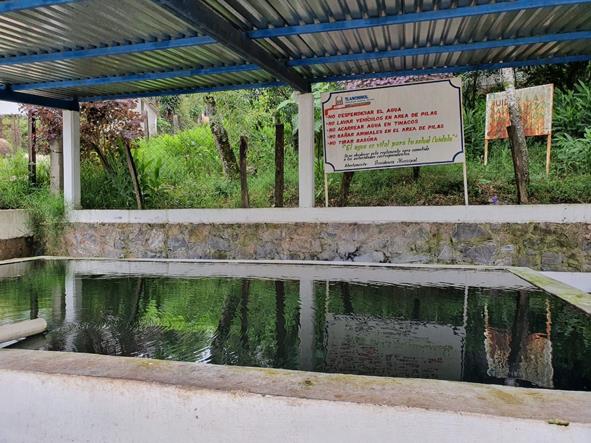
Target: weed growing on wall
[46, 211]
[46, 221]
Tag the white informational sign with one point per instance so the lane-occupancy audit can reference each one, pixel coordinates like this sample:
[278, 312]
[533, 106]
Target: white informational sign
[396, 126]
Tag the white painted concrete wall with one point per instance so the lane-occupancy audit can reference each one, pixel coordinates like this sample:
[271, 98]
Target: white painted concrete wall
[14, 224]
[53, 409]
[429, 214]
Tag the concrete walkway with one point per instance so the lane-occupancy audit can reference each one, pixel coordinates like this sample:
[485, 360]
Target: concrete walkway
[579, 280]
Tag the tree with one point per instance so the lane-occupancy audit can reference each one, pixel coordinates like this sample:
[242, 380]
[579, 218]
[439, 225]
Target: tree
[516, 137]
[107, 132]
[222, 141]
[169, 107]
[562, 76]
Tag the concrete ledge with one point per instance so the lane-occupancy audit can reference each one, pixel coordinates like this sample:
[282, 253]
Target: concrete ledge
[579, 280]
[14, 223]
[411, 274]
[100, 398]
[15, 247]
[429, 214]
[569, 294]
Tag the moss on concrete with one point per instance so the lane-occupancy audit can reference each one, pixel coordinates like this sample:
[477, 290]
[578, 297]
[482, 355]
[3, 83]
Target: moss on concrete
[571, 295]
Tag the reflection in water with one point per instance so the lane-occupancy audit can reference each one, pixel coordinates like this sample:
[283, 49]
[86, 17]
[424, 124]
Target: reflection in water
[520, 356]
[515, 337]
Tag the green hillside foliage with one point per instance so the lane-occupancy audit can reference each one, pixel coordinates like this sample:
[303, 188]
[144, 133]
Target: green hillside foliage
[183, 169]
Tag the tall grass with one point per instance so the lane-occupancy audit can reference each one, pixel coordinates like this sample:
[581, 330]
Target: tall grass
[46, 210]
[184, 171]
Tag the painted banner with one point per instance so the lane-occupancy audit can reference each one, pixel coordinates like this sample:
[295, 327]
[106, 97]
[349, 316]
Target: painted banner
[395, 126]
[535, 104]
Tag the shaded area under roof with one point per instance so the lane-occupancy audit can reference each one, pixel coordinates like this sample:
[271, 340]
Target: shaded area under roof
[60, 52]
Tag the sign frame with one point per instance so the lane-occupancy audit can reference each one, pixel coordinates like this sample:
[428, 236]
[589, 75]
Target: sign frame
[461, 151]
[550, 116]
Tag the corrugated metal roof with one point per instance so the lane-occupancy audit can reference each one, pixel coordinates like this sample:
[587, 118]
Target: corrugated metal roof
[90, 24]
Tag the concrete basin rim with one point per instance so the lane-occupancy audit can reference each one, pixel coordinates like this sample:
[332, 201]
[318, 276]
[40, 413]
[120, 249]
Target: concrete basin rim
[307, 393]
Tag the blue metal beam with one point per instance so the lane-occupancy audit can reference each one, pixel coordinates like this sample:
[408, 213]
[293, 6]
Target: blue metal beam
[414, 17]
[261, 85]
[106, 51]
[201, 15]
[335, 78]
[343, 25]
[458, 69]
[9, 95]
[464, 47]
[21, 5]
[99, 81]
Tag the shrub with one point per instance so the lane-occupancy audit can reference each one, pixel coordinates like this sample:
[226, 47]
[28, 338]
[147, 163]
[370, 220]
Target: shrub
[474, 129]
[573, 154]
[572, 110]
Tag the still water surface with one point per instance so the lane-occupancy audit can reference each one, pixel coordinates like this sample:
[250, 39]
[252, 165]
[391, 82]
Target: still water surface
[516, 336]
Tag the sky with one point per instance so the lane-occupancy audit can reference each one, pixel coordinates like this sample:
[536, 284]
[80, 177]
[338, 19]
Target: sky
[8, 108]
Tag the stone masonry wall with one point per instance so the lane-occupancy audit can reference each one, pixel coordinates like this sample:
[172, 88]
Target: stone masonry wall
[15, 248]
[15, 234]
[545, 246]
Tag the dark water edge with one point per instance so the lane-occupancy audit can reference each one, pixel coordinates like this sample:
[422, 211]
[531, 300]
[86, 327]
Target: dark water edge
[521, 337]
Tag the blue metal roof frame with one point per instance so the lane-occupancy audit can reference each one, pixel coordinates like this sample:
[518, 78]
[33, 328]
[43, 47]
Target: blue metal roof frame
[87, 50]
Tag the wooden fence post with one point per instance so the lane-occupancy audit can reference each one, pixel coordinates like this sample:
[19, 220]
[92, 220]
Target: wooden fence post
[32, 150]
[243, 178]
[548, 151]
[279, 164]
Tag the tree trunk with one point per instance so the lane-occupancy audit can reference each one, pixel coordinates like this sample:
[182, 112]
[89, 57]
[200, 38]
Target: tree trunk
[102, 158]
[32, 150]
[137, 190]
[175, 124]
[279, 164]
[519, 166]
[475, 77]
[516, 137]
[345, 186]
[220, 135]
[16, 132]
[519, 333]
[56, 166]
[243, 177]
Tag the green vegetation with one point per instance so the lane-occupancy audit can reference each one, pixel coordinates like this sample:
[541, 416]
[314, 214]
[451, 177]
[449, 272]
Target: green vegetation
[183, 169]
[46, 210]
